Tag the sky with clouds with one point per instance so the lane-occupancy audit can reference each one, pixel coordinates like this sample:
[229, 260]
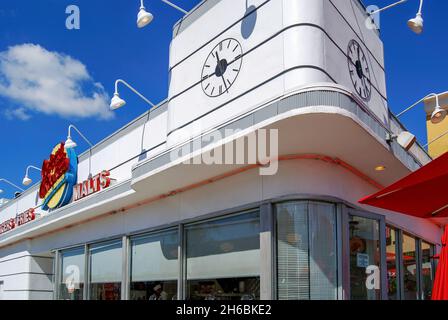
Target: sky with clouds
[51, 77]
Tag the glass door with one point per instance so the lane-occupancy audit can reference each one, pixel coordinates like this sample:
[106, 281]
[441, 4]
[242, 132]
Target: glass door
[364, 246]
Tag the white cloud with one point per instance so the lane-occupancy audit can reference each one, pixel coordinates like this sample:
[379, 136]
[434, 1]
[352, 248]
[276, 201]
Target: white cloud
[19, 113]
[39, 80]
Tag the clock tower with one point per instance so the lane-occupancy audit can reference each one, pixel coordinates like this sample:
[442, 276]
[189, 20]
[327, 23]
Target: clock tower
[230, 57]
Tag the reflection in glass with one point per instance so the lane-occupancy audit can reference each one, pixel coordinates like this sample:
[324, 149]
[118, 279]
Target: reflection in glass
[154, 266]
[427, 272]
[105, 271]
[71, 283]
[223, 259]
[306, 251]
[409, 268]
[365, 279]
[392, 263]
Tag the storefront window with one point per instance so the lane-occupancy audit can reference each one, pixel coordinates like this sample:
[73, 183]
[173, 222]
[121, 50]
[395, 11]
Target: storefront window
[409, 268]
[365, 275]
[223, 259]
[306, 251]
[427, 271]
[154, 266]
[105, 271]
[392, 264]
[71, 283]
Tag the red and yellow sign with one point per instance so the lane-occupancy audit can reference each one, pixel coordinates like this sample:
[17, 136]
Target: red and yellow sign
[59, 175]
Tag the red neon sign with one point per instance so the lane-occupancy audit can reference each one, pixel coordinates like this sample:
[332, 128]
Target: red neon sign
[53, 169]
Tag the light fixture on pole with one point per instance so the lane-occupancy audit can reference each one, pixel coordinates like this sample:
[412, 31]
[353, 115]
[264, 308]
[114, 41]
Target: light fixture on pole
[144, 17]
[27, 180]
[117, 102]
[437, 116]
[70, 144]
[11, 184]
[405, 139]
[415, 24]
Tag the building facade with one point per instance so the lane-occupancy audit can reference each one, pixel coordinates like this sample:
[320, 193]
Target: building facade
[151, 212]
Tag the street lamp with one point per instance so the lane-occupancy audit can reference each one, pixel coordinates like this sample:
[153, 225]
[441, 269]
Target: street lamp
[11, 184]
[144, 17]
[415, 24]
[116, 102]
[437, 116]
[407, 139]
[70, 144]
[27, 180]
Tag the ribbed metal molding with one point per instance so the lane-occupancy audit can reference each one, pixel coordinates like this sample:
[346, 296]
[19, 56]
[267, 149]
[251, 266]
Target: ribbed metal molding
[296, 101]
[193, 15]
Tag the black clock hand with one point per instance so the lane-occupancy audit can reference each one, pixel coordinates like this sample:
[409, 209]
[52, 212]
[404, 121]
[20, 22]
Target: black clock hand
[220, 71]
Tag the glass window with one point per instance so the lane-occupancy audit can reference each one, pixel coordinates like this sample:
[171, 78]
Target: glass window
[306, 251]
[223, 259]
[154, 266]
[105, 271]
[365, 275]
[409, 268]
[71, 282]
[427, 271]
[392, 264]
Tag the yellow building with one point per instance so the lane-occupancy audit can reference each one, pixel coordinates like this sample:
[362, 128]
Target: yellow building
[440, 146]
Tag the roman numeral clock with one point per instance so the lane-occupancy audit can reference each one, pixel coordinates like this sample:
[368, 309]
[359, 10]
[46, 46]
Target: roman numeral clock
[358, 67]
[221, 68]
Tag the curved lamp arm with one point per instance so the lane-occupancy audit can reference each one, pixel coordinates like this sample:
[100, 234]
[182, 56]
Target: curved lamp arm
[174, 6]
[420, 8]
[419, 101]
[142, 6]
[12, 184]
[79, 132]
[86, 140]
[31, 167]
[133, 90]
[388, 7]
[394, 5]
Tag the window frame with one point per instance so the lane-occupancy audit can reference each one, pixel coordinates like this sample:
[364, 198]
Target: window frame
[268, 254]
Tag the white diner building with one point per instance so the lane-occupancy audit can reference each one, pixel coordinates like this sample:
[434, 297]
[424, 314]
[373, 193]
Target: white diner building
[164, 228]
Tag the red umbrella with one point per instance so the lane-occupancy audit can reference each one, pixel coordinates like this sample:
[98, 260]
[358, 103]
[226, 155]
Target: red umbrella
[440, 289]
[421, 194]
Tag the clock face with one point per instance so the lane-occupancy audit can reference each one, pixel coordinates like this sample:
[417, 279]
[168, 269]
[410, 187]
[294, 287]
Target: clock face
[359, 70]
[222, 67]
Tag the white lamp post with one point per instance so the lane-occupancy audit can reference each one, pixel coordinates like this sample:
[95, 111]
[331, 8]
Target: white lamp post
[11, 184]
[27, 180]
[117, 102]
[415, 24]
[144, 17]
[69, 144]
[407, 139]
[437, 116]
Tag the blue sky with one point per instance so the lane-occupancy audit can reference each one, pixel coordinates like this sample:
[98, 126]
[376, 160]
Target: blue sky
[110, 46]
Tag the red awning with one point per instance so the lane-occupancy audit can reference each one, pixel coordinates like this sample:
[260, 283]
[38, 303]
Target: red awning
[440, 289]
[422, 194]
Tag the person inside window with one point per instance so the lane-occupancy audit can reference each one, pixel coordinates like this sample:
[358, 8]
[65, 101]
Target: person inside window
[158, 294]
